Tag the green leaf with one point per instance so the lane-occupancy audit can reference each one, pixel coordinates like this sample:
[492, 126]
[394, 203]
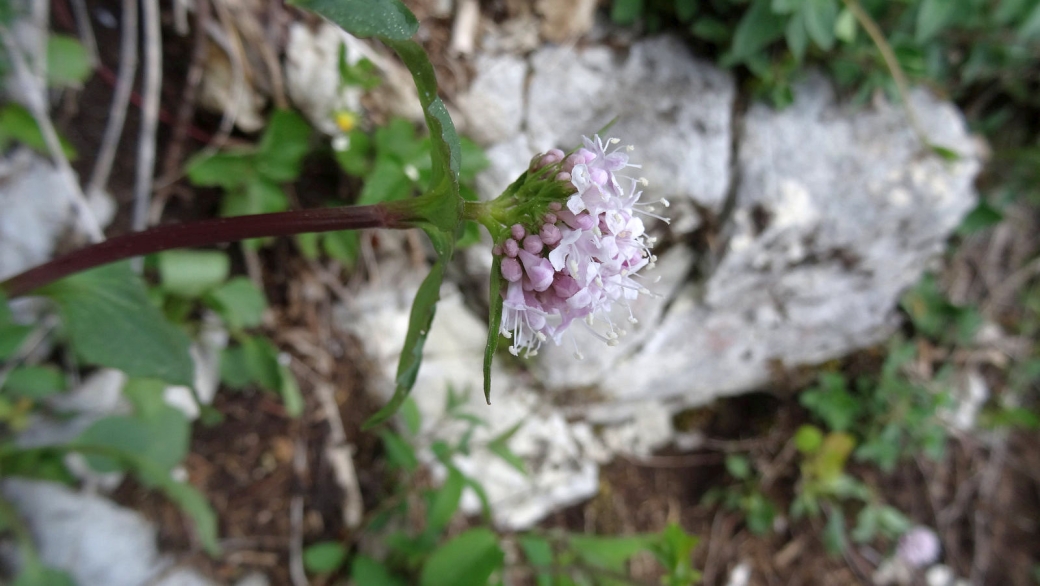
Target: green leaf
[892, 521]
[499, 446]
[161, 439]
[797, 38]
[738, 466]
[411, 416]
[308, 244]
[342, 246]
[34, 382]
[283, 146]
[5, 311]
[685, 10]
[983, 216]
[110, 322]
[494, 322]
[673, 549]
[191, 502]
[758, 28]
[227, 169]
[384, 19]
[467, 560]
[365, 571]
[539, 554]
[932, 17]
[18, 124]
[355, 159]
[423, 309]
[845, 26]
[118, 432]
[386, 182]
[190, 273]
[324, 557]
[832, 402]
[866, 525]
[834, 532]
[255, 360]
[808, 439]
[711, 29]
[399, 453]
[362, 74]
[760, 513]
[445, 503]
[625, 12]
[820, 16]
[609, 553]
[947, 154]
[12, 336]
[289, 389]
[68, 63]
[146, 395]
[446, 152]
[1030, 28]
[36, 574]
[239, 302]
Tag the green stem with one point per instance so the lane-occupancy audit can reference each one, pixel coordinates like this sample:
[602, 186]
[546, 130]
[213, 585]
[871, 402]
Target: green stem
[400, 214]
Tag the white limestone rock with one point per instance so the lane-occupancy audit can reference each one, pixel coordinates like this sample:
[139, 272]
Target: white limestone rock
[559, 472]
[492, 107]
[839, 209]
[96, 541]
[36, 211]
[676, 111]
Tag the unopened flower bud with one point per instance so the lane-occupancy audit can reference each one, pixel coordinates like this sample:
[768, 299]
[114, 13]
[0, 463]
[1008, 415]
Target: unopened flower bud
[550, 234]
[518, 232]
[511, 270]
[510, 247]
[533, 244]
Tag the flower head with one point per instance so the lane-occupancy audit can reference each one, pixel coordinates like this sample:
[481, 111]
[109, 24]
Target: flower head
[919, 547]
[577, 248]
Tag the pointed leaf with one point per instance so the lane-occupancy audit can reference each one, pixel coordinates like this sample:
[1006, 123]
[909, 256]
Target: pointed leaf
[609, 552]
[423, 308]
[933, 16]
[445, 503]
[111, 322]
[467, 560]
[365, 571]
[386, 19]
[190, 273]
[494, 322]
[283, 146]
[539, 554]
[447, 150]
[819, 17]
[68, 62]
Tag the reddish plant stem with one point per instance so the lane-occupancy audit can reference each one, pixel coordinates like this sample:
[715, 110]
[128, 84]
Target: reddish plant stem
[214, 231]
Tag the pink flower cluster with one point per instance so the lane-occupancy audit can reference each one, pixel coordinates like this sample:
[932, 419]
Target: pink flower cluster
[577, 260]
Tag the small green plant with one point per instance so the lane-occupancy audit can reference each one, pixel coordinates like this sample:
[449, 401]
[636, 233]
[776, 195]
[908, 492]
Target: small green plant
[826, 487]
[892, 415]
[746, 496]
[194, 283]
[415, 523]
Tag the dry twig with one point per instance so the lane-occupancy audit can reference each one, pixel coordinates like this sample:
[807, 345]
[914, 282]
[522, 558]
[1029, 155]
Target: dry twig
[296, 570]
[120, 101]
[149, 113]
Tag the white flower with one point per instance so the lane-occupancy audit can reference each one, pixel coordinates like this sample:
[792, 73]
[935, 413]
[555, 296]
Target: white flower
[580, 260]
